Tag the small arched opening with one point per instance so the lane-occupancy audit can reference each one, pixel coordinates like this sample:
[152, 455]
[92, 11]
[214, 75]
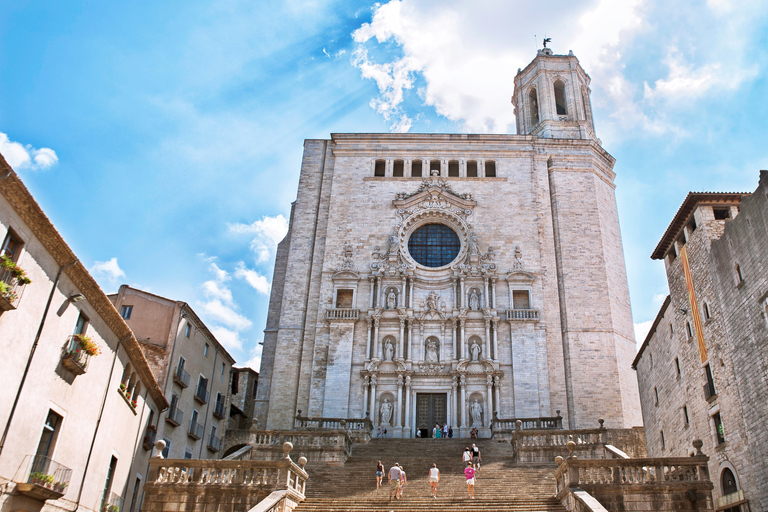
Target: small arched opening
[560, 103]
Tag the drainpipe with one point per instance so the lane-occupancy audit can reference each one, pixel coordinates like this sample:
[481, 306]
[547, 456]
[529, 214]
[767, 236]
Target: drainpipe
[32, 351]
[98, 421]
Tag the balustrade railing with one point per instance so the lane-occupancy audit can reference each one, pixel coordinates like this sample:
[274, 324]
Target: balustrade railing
[218, 409]
[342, 314]
[202, 394]
[195, 430]
[42, 478]
[522, 314]
[348, 424]
[113, 504]
[214, 443]
[543, 423]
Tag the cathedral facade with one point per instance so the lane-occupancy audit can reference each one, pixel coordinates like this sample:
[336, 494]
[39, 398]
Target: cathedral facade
[453, 278]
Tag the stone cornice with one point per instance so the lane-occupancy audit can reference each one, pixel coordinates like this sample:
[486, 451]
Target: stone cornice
[20, 199]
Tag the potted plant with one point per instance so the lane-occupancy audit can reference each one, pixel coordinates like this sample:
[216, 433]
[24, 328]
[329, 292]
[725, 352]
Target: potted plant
[60, 487]
[8, 264]
[134, 403]
[87, 345]
[122, 387]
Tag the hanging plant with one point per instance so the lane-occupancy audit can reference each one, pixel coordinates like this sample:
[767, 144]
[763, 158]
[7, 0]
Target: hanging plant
[87, 345]
[8, 264]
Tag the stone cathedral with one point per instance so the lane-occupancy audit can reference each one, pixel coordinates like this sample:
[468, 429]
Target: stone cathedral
[456, 278]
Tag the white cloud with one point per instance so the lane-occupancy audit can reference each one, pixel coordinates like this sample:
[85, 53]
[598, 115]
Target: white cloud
[229, 338]
[641, 331]
[255, 357]
[658, 299]
[216, 291]
[220, 274]
[257, 281]
[268, 231]
[22, 157]
[226, 315]
[108, 271]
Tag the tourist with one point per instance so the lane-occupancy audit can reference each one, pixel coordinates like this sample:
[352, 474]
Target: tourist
[438, 432]
[378, 433]
[418, 433]
[469, 472]
[434, 478]
[476, 456]
[445, 431]
[450, 432]
[466, 456]
[473, 433]
[394, 481]
[379, 474]
[403, 480]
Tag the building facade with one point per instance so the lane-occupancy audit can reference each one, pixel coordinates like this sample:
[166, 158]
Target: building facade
[702, 368]
[430, 278]
[191, 367]
[77, 396]
[242, 397]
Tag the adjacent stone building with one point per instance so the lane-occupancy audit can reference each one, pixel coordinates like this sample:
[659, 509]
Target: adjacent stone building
[243, 388]
[703, 368]
[77, 396]
[191, 366]
[436, 278]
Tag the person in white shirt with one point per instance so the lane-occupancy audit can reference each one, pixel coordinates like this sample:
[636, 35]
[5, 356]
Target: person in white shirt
[434, 478]
[466, 457]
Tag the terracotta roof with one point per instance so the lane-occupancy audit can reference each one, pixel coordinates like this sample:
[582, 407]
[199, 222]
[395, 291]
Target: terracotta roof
[692, 200]
[19, 197]
[648, 336]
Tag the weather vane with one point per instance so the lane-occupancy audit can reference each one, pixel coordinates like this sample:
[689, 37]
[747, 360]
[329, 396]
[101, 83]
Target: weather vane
[547, 40]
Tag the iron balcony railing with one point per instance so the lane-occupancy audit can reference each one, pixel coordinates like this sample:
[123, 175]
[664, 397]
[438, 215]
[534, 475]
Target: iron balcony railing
[218, 410]
[42, 478]
[174, 416]
[181, 377]
[11, 290]
[214, 443]
[202, 394]
[75, 359]
[195, 430]
[113, 504]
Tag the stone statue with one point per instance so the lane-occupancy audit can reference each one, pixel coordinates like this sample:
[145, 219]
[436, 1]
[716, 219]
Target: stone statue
[476, 411]
[432, 301]
[474, 249]
[474, 351]
[389, 350]
[394, 245]
[518, 264]
[474, 300]
[391, 300]
[432, 356]
[386, 412]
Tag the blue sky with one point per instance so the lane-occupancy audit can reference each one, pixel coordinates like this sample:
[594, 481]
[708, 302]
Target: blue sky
[164, 139]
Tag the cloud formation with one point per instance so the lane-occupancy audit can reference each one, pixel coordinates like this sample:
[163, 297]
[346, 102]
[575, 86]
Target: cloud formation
[107, 272]
[25, 157]
[267, 233]
[257, 281]
[229, 338]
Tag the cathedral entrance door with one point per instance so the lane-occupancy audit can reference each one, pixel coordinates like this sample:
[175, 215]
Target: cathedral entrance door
[430, 410]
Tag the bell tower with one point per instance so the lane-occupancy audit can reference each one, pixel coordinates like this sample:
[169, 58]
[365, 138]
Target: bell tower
[551, 98]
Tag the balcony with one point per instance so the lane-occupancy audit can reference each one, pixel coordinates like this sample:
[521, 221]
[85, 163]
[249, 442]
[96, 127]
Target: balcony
[523, 315]
[341, 314]
[12, 282]
[202, 394]
[42, 478]
[181, 377]
[113, 504]
[214, 443]
[75, 359]
[149, 437]
[195, 430]
[709, 390]
[218, 411]
[174, 416]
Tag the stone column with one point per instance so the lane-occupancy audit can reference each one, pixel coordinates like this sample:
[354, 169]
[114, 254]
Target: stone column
[453, 339]
[463, 401]
[487, 343]
[366, 383]
[407, 167]
[461, 292]
[463, 341]
[463, 168]
[486, 299]
[376, 338]
[449, 409]
[493, 292]
[410, 340]
[407, 402]
[481, 168]
[374, 415]
[369, 320]
[373, 288]
[399, 400]
[410, 295]
[454, 387]
[401, 298]
[379, 293]
[402, 332]
[495, 338]
[488, 400]
[497, 394]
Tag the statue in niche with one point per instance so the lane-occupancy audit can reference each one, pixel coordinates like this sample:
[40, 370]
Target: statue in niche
[432, 301]
[518, 264]
[474, 300]
[389, 350]
[391, 300]
[394, 245]
[476, 411]
[386, 411]
[432, 355]
[474, 351]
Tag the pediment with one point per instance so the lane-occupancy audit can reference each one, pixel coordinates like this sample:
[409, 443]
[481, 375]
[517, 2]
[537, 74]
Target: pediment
[521, 277]
[346, 275]
[435, 193]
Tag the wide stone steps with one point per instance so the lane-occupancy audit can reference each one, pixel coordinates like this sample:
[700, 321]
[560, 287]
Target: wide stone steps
[501, 486]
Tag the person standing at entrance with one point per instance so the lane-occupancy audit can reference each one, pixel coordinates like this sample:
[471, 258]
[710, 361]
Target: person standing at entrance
[394, 481]
[469, 473]
[434, 478]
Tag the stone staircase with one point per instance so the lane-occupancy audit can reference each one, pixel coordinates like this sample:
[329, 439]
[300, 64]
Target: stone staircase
[501, 485]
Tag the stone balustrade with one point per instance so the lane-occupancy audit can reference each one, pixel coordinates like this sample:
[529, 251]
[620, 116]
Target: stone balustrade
[342, 314]
[315, 445]
[186, 485]
[522, 315]
[502, 428]
[543, 446]
[630, 484]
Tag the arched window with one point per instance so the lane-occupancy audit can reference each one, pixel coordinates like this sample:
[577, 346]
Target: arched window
[397, 169]
[453, 168]
[380, 168]
[136, 391]
[490, 169]
[471, 169]
[126, 374]
[562, 110]
[728, 482]
[688, 329]
[416, 168]
[533, 101]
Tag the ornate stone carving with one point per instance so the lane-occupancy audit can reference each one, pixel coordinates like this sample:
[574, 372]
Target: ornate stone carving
[347, 263]
[518, 264]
